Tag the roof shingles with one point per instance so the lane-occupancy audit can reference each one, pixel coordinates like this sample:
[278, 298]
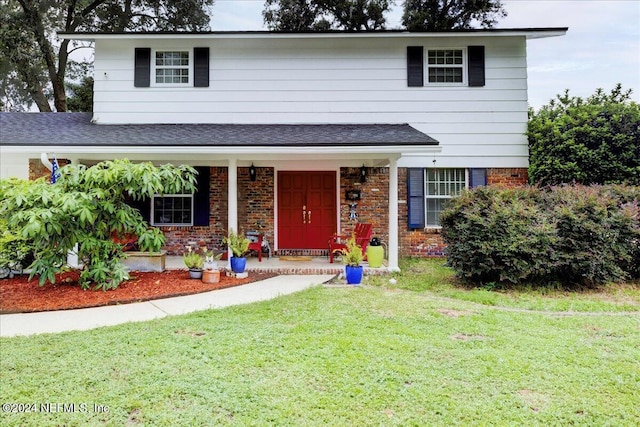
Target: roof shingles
[76, 129]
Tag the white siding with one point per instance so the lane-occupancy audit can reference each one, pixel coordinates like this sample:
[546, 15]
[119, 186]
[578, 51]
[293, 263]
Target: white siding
[330, 81]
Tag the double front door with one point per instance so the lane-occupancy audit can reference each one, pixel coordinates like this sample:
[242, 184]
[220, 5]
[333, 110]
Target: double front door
[306, 209]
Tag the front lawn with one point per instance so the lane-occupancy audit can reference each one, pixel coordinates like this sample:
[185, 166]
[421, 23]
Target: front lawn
[374, 355]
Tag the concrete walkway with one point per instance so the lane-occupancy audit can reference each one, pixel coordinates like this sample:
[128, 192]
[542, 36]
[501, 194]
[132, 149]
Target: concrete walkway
[89, 318]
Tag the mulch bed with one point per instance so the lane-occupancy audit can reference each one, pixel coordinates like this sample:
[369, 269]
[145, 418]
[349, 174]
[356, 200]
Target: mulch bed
[19, 295]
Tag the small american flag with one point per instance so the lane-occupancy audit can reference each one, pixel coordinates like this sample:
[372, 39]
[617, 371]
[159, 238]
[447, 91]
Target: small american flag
[55, 172]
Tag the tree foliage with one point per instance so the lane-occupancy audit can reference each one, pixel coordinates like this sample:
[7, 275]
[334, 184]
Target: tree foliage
[429, 15]
[88, 206]
[323, 15]
[35, 59]
[80, 95]
[596, 140]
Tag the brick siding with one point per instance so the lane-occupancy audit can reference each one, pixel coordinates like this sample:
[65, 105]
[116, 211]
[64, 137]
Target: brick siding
[373, 207]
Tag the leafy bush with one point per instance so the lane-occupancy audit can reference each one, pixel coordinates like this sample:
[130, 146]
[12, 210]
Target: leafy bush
[566, 235]
[87, 206]
[15, 252]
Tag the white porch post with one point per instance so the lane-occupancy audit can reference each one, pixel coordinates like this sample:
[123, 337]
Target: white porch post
[232, 213]
[393, 215]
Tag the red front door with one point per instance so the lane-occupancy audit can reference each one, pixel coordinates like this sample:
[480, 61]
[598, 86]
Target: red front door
[306, 209]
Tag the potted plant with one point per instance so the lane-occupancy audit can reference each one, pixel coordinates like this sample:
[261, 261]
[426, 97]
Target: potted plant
[211, 274]
[353, 256]
[194, 262]
[239, 246]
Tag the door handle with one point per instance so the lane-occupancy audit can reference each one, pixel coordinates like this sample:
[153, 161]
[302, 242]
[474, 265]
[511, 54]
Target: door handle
[304, 214]
[309, 212]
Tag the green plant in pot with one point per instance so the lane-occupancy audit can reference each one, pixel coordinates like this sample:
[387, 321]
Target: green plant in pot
[194, 262]
[353, 256]
[239, 246]
[211, 259]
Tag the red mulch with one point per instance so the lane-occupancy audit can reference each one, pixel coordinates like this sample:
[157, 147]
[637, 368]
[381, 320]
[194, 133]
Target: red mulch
[19, 295]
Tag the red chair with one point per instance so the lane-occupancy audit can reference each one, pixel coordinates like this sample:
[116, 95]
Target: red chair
[256, 243]
[127, 240]
[362, 233]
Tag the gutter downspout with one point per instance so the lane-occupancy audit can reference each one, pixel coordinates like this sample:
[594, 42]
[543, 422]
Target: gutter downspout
[72, 255]
[45, 161]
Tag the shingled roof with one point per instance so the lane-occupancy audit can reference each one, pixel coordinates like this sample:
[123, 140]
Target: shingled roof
[76, 129]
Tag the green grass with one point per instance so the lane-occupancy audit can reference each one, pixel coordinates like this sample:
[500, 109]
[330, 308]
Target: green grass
[432, 277]
[374, 355]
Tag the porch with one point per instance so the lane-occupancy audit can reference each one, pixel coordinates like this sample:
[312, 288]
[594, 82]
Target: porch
[287, 265]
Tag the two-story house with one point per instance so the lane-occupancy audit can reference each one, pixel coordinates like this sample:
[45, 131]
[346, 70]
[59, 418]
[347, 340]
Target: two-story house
[300, 135]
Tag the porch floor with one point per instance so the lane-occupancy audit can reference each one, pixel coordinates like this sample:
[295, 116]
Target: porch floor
[317, 265]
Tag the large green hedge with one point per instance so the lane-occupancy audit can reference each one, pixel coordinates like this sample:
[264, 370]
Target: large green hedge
[588, 141]
[567, 235]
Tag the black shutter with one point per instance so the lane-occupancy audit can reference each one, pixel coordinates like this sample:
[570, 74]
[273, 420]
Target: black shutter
[477, 178]
[201, 67]
[476, 65]
[142, 71]
[415, 66]
[143, 206]
[201, 198]
[415, 198]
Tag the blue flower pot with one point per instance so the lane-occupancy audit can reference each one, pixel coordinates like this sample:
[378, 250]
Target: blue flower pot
[238, 264]
[353, 274]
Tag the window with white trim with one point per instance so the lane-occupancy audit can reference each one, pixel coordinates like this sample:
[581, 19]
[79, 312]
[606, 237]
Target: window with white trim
[172, 209]
[171, 67]
[445, 66]
[429, 189]
[441, 185]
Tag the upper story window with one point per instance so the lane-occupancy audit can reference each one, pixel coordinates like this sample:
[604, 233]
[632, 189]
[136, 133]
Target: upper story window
[445, 66]
[172, 67]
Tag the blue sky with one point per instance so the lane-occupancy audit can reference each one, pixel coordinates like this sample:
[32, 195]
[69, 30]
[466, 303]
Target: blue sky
[602, 47]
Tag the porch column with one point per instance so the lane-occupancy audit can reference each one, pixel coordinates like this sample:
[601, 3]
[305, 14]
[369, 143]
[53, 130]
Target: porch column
[393, 215]
[232, 213]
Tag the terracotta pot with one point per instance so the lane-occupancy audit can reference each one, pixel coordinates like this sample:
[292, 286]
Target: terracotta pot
[211, 276]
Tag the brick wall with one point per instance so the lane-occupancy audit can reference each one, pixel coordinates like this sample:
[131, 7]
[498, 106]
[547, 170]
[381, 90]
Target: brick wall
[373, 207]
[508, 177]
[256, 208]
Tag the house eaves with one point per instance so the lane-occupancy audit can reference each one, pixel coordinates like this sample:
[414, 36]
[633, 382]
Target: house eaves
[529, 33]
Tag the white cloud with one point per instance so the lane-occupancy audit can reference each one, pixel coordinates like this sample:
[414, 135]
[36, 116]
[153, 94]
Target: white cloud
[601, 48]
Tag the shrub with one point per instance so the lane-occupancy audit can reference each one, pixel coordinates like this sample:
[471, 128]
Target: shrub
[497, 236]
[595, 232]
[568, 235]
[88, 206]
